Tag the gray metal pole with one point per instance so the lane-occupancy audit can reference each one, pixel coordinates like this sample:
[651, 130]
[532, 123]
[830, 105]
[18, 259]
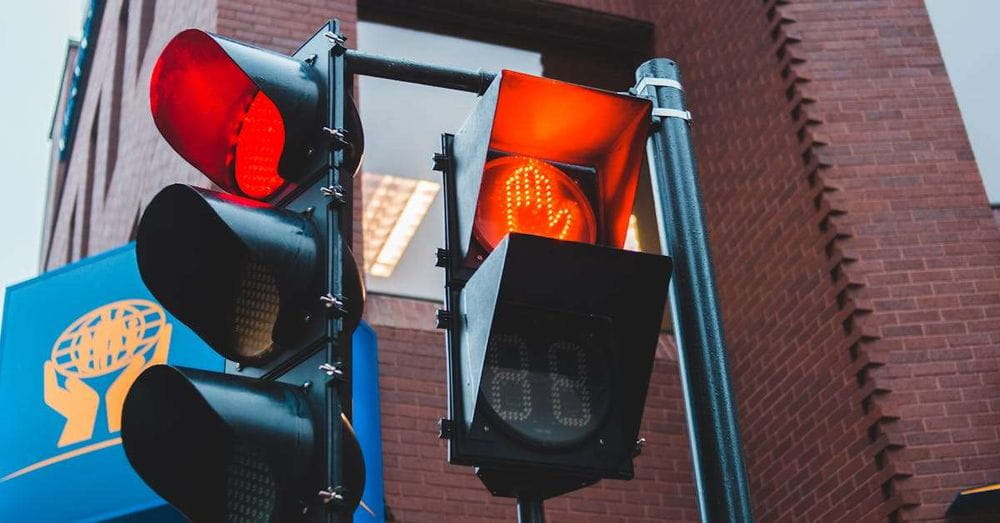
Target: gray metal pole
[716, 452]
[530, 510]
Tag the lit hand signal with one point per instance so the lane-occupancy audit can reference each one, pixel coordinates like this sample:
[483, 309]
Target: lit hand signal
[531, 196]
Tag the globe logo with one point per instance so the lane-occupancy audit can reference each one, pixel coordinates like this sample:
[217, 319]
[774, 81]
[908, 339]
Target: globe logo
[123, 337]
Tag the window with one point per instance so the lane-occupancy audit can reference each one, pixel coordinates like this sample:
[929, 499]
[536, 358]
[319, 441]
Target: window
[403, 206]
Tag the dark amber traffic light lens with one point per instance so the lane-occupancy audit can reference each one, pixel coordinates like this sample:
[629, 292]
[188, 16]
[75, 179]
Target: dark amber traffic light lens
[527, 195]
[259, 144]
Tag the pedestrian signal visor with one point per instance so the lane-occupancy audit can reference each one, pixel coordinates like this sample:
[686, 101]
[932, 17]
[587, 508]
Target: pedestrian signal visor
[548, 158]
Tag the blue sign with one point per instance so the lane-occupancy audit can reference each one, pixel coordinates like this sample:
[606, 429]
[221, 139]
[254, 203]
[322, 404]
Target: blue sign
[72, 343]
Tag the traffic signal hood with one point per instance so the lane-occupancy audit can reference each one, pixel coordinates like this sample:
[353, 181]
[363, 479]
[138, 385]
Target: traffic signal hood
[549, 158]
[246, 117]
[241, 273]
[226, 446]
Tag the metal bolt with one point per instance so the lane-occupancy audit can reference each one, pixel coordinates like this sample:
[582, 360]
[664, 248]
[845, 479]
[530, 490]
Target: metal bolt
[307, 318]
[307, 385]
[339, 136]
[442, 256]
[331, 495]
[335, 193]
[443, 318]
[479, 257]
[602, 442]
[639, 444]
[440, 162]
[334, 371]
[239, 367]
[337, 304]
[335, 38]
[310, 60]
[308, 211]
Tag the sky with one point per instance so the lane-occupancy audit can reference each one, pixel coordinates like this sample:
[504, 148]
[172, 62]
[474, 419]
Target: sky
[33, 37]
[970, 44]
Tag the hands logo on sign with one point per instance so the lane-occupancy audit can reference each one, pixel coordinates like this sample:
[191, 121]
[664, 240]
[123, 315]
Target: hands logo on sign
[125, 337]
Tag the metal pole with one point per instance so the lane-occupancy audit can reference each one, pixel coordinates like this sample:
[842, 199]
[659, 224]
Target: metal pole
[419, 73]
[716, 452]
[335, 222]
[530, 510]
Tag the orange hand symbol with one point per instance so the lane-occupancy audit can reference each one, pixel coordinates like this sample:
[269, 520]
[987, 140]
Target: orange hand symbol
[77, 403]
[530, 207]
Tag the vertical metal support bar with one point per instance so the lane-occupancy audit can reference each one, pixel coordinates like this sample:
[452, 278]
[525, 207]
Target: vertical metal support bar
[335, 224]
[716, 451]
[530, 510]
[452, 292]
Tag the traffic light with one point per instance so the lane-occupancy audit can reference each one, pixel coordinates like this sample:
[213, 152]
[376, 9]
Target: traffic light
[552, 327]
[263, 272]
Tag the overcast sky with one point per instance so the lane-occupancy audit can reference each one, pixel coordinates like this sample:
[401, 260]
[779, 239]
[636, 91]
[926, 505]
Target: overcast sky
[967, 33]
[33, 36]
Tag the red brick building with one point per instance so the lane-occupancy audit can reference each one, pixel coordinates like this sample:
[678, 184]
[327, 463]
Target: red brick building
[856, 254]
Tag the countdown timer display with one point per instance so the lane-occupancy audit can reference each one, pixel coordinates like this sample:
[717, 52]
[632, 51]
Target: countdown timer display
[546, 376]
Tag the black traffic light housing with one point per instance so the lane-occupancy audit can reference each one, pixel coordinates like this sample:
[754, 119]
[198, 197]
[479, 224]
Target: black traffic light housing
[555, 371]
[269, 282]
[242, 274]
[550, 342]
[219, 446]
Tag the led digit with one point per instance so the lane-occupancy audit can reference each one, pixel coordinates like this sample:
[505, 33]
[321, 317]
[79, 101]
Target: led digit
[509, 388]
[568, 372]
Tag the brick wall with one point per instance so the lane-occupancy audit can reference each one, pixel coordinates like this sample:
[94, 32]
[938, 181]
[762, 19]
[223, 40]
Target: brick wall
[118, 160]
[855, 253]
[918, 240]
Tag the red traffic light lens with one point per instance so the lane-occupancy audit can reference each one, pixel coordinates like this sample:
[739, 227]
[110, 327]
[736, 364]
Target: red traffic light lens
[215, 115]
[259, 144]
[527, 195]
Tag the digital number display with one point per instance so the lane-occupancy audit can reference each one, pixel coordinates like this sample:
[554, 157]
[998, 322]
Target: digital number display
[548, 381]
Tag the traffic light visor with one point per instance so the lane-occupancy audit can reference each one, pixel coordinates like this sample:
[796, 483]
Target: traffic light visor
[226, 448]
[565, 155]
[238, 272]
[245, 117]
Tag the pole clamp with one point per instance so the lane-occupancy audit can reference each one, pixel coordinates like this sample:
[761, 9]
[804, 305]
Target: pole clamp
[672, 113]
[337, 40]
[658, 82]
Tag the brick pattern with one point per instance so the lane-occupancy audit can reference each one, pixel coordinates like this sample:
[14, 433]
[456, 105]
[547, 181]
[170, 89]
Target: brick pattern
[803, 427]
[856, 257]
[918, 242]
[145, 162]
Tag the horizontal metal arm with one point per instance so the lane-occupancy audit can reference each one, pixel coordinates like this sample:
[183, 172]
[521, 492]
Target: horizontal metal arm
[419, 73]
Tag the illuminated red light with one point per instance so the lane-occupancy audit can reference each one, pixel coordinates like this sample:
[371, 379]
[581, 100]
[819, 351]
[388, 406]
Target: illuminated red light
[258, 149]
[526, 195]
[215, 116]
